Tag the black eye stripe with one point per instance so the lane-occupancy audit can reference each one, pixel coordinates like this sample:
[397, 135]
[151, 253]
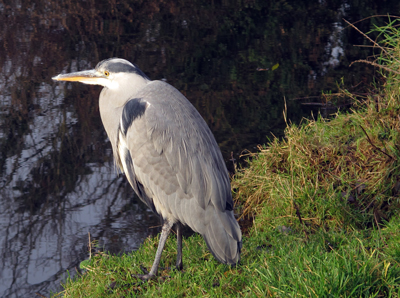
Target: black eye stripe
[113, 66]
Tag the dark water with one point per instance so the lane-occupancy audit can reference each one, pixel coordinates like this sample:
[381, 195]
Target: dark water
[236, 61]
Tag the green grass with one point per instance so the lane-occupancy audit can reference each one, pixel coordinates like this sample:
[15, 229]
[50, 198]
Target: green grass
[325, 207]
[284, 264]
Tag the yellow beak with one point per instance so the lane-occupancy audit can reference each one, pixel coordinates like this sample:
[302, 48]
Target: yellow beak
[92, 77]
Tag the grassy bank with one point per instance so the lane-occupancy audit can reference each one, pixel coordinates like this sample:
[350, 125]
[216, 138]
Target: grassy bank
[325, 208]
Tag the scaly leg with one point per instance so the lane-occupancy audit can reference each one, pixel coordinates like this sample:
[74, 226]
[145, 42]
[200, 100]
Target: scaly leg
[166, 229]
[179, 264]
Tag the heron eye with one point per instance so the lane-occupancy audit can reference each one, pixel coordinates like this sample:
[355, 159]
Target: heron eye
[106, 73]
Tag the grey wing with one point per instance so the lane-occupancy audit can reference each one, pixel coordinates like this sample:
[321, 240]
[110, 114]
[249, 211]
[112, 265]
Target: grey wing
[175, 156]
[174, 164]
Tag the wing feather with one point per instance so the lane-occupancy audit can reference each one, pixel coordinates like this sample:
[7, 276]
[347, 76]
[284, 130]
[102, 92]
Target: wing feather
[177, 149]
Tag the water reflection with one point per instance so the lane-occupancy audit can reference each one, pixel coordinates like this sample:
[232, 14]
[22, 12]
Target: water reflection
[57, 180]
[53, 193]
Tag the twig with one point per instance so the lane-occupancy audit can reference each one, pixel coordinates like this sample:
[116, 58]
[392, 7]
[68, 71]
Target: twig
[372, 144]
[377, 224]
[378, 15]
[298, 212]
[375, 64]
[299, 216]
[307, 97]
[233, 161]
[374, 42]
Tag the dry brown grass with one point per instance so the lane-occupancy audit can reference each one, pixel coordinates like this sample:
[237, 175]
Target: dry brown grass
[332, 172]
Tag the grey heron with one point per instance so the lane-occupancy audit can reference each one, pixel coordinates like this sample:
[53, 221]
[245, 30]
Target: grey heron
[169, 156]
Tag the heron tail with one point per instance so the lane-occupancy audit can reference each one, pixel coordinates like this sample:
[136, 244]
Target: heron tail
[223, 237]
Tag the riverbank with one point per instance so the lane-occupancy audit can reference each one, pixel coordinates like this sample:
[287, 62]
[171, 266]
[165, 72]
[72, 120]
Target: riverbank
[325, 206]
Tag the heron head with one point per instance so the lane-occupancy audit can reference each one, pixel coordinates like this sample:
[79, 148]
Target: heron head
[111, 73]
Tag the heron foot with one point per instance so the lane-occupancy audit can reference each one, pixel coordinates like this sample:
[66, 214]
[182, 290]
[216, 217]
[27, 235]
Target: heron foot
[144, 277]
[148, 275]
[179, 266]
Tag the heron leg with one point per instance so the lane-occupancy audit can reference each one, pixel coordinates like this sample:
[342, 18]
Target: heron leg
[166, 229]
[179, 264]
